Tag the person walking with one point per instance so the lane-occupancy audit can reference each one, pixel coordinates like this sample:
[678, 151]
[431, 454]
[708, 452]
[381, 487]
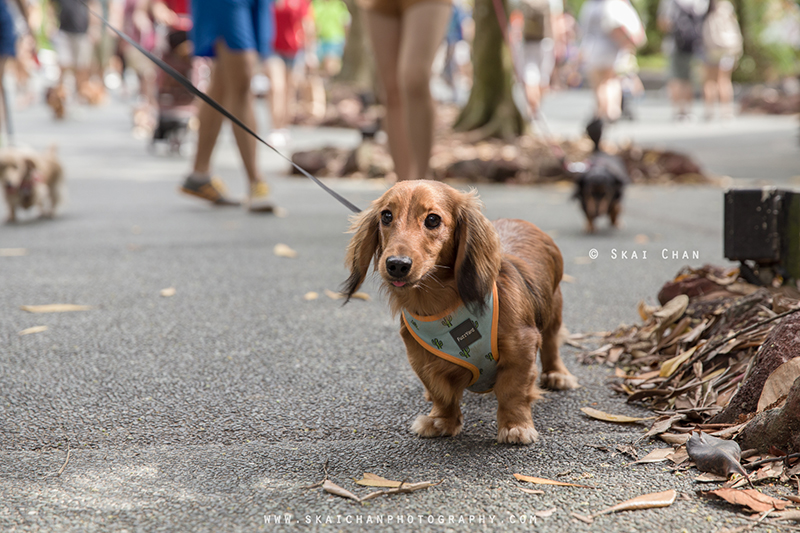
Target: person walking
[8, 42]
[682, 21]
[610, 29]
[542, 34]
[405, 35]
[722, 48]
[235, 33]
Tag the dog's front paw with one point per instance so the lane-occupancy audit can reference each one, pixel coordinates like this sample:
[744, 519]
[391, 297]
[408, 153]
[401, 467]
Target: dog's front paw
[428, 426]
[517, 435]
[559, 381]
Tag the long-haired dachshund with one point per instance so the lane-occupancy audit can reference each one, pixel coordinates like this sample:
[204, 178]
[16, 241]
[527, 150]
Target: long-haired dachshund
[478, 300]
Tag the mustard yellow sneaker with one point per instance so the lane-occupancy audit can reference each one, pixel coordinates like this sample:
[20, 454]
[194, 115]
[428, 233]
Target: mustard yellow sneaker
[258, 199]
[211, 189]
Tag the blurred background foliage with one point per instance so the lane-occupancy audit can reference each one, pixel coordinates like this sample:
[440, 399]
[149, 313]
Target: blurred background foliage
[771, 31]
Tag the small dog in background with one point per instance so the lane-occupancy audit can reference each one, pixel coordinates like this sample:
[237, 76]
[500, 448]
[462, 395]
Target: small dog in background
[57, 98]
[599, 187]
[29, 178]
[478, 300]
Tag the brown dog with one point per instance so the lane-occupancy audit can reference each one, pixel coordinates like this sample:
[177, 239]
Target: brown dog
[441, 260]
[29, 178]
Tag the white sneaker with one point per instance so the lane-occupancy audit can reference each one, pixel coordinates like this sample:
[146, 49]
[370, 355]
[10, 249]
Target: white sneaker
[279, 138]
[258, 199]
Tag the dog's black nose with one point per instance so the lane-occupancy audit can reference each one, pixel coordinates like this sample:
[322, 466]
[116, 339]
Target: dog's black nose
[398, 265]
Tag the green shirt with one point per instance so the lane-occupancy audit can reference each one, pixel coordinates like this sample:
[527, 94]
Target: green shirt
[330, 19]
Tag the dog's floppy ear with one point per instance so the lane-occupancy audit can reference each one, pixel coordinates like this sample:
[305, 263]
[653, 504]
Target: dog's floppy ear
[477, 252]
[363, 247]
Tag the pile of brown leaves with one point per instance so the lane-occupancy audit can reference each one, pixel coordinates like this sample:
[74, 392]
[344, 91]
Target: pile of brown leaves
[690, 355]
[530, 159]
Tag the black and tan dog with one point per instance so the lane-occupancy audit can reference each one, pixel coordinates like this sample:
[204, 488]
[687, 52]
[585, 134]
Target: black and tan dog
[600, 187]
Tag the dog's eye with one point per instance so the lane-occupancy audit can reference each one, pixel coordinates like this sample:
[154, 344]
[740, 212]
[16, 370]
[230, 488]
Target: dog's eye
[432, 221]
[386, 218]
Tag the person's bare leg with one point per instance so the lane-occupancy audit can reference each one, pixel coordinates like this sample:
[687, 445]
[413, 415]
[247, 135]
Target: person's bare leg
[613, 90]
[276, 71]
[423, 29]
[384, 32]
[238, 68]
[710, 89]
[725, 90]
[210, 122]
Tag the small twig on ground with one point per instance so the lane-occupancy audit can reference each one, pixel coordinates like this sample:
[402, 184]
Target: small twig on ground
[61, 470]
[772, 460]
[317, 485]
[411, 487]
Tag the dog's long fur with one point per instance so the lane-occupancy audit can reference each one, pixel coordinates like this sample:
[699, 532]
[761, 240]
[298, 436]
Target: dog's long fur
[29, 178]
[459, 261]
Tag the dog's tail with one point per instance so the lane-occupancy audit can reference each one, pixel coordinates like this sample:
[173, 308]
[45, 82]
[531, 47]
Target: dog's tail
[595, 131]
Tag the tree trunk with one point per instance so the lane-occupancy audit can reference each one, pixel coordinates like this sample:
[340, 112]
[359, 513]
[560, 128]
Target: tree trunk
[775, 427]
[358, 67]
[490, 109]
[779, 347]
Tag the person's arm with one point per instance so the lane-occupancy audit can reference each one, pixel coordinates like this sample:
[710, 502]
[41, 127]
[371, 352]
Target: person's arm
[23, 8]
[162, 14]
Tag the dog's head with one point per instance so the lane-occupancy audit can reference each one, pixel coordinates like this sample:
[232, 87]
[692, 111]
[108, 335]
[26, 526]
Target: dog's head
[424, 236]
[16, 166]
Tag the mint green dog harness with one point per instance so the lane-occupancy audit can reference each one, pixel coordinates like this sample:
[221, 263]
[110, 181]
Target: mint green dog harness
[463, 338]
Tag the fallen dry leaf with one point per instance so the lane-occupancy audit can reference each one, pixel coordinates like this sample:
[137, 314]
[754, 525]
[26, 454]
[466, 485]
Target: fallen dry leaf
[582, 517]
[620, 419]
[671, 365]
[54, 308]
[714, 455]
[371, 480]
[34, 329]
[674, 438]
[749, 498]
[662, 425]
[169, 291]
[332, 488]
[310, 296]
[338, 295]
[779, 382]
[646, 501]
[282, 250]
[531, 491]
[545, 513]
[708, 477]
[673, 309]
[13, 252]
[656, 456]
[566, 278]
[543, 481]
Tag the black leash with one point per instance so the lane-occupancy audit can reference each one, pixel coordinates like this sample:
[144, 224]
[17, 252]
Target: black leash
[210, 101]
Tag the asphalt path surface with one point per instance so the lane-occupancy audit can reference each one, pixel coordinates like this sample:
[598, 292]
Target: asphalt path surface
[215, 408]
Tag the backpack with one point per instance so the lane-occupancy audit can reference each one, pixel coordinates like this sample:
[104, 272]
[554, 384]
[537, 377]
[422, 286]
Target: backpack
[536, 19]
[687, 29]
[721, 33]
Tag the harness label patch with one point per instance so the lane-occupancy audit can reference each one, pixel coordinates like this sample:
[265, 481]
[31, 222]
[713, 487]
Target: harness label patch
[465, 334]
